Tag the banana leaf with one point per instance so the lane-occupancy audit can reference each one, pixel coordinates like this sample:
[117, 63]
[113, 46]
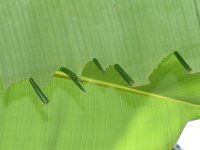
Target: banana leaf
[107, 116]
[38, 37]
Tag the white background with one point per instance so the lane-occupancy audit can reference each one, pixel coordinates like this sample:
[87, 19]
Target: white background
[190, 137]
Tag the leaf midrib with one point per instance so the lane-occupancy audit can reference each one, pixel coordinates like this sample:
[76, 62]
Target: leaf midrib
[60, 74]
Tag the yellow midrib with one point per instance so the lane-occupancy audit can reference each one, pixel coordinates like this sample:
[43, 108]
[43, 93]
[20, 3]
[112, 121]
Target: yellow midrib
[60, 74]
